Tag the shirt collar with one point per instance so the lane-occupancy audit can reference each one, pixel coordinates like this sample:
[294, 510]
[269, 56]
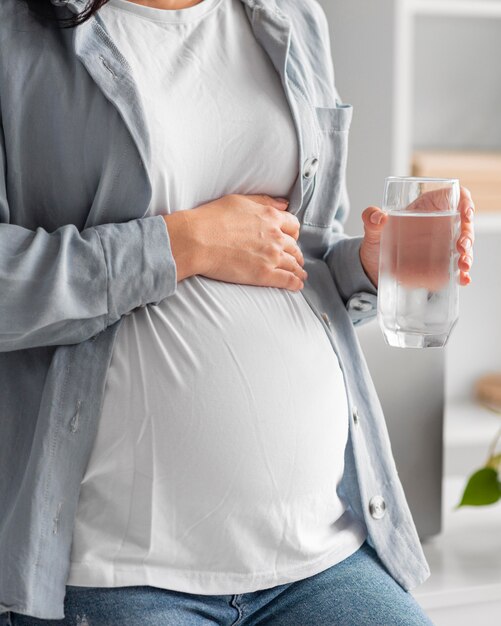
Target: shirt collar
[76, 6]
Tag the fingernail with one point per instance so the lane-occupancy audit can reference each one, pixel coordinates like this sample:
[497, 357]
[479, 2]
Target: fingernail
[376, 217]
[469, 214]
[282, 200]
[466, 260]
[465, 243]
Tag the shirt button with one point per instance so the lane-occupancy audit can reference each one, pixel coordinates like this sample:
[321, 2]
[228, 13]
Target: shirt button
[357, 304]
[377, 507]
[310, 167]
[326, 319]
[356, 417]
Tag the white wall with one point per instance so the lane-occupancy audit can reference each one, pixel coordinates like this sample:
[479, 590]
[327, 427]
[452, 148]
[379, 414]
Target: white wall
[475, 345]
[458, 103]
[365, 80]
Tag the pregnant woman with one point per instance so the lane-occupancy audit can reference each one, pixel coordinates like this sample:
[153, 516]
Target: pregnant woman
[189, 434]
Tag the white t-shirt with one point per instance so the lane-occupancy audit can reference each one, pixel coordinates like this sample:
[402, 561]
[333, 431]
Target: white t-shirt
[222, 435]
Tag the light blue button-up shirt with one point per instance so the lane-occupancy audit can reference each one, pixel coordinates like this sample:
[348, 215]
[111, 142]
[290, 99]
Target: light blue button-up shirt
[77, 255]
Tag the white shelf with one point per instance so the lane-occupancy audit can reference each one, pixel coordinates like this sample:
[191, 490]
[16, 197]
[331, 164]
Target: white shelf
[456, 8]
[465, 562]
[468, 423]
[469, 429]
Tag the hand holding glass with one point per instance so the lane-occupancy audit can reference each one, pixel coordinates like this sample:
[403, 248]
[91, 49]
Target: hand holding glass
[418, 288]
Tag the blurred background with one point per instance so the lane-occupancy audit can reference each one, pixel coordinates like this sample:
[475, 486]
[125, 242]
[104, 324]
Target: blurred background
[423, 78]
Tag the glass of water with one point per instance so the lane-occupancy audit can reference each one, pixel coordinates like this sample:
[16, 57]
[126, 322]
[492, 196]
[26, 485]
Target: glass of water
[418, 288]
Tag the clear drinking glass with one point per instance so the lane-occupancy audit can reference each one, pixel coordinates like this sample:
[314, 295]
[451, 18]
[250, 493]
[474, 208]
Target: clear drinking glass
[418, 289]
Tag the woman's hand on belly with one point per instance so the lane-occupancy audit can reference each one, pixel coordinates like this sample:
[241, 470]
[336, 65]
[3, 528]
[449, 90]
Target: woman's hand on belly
[245, 239]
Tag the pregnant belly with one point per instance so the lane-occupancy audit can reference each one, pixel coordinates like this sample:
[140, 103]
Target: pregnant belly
[222, 401]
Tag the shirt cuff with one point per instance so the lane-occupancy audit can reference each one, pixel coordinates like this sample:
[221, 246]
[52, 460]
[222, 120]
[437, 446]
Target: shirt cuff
[140, 265]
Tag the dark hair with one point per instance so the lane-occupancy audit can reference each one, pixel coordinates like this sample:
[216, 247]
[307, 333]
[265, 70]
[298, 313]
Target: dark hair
[45, 9]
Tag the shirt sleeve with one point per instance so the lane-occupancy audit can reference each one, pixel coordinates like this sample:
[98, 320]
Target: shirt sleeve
[64, 287]
[354, 286]
[342, 256]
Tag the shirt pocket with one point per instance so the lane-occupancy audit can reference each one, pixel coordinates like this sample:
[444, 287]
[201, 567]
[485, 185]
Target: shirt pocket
[326, 191]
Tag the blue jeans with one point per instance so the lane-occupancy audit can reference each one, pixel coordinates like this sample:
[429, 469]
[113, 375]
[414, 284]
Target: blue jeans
[358, 591]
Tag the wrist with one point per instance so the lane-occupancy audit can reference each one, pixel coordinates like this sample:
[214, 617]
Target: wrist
[370, 268]
[183, 243]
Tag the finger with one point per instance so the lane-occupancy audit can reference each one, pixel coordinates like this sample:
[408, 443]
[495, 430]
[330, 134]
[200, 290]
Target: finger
[291, 247]
[372, 216]
[466, 206]
[465, 199]
[286, 280]
[290, 263]
[464, 278]
[467, 213]
[467, 231]
[439, 200]
[290, 224]
[465, 245]
[465, 262]
[433, 200]
[278, 203]
[374, 220]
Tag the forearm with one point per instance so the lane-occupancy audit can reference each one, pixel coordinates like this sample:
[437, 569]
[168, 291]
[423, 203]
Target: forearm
[64, 287]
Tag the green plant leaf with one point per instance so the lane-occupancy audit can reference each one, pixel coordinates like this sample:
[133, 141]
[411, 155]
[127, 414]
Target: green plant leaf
[483, 487]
